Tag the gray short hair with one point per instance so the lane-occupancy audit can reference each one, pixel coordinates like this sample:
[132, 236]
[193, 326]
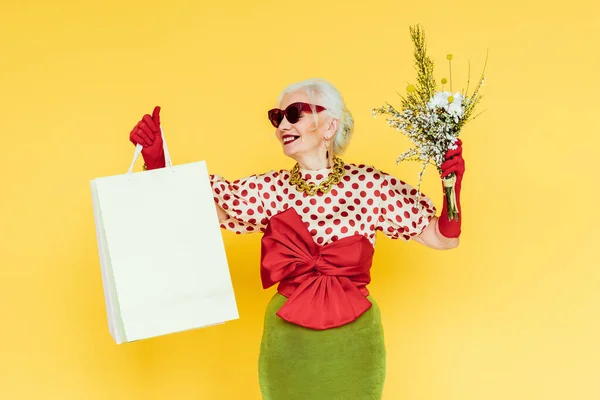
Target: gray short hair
[323, 93]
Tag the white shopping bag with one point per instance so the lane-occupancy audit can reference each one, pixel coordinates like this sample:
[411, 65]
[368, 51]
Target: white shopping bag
[163, 262]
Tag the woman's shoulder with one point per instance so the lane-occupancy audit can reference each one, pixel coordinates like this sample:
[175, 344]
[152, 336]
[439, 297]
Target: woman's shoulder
[367, 172]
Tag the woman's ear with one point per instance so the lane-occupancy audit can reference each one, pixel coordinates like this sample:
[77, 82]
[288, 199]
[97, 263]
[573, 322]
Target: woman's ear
[332, 128]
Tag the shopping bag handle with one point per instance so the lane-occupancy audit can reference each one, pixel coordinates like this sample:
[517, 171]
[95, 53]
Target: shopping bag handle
[138, 151]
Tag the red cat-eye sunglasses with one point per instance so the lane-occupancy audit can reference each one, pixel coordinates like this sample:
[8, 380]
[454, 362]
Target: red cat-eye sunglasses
[292, 112]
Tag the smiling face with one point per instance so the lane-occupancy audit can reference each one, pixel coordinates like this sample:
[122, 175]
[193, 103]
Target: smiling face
[302, 141]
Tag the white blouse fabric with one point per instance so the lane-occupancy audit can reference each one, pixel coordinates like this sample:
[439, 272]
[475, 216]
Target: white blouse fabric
[364, 201]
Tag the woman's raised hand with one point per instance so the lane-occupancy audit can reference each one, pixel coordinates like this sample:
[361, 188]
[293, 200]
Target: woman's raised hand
[147, 133]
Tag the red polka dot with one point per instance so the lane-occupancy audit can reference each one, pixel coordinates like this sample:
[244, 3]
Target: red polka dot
[327, 200]
[351, 208]
[383, 197]
[358, 217]
[348, 193]
[355, 186]
[344, 229]
[321, 223]
[344, 214]
[292, 196]
[357, 201]
[236, 203]
[329, 216]
[398, 218]
[363, 193]
[279, 198]
[361, 177]
[415, 210]
[285, 191]
[313, 232]
[298, 203]
[406, 214]
[260, 209]
[273, 204]
[334, 192]
[252, 200]
[377, 193]
[369, 185]
[320, 240]
[370, 202]
[321, 209]
[336, 209]
[352, 222]
[260, 186]
[314, 217]
[266, 195]
[313, 201]
[244, 193]
[319, 176]
[390, 207]
[392, 193]
[226, 197]
[334, 238]
[329, 230]
[252, 185]
[286, 206]
[363, 210]
[336, 222]
[267, 179]
[347, 178]
[376, 176]
[342, 201]
[413, 192]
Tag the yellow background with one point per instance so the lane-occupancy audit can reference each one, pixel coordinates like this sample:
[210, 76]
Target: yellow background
[510, 314]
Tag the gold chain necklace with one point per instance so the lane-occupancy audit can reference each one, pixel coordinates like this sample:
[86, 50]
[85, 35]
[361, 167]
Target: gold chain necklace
[325, 186]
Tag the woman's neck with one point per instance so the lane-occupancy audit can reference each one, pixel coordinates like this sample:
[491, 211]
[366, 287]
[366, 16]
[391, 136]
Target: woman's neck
[312, 163]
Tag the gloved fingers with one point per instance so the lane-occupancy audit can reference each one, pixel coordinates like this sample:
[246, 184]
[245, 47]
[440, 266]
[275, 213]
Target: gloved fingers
[143, 131]
[156, 116]
[147, 119]
[147, 132]
[451, 153]
[451, 162]
[451, 169]
[138, 137]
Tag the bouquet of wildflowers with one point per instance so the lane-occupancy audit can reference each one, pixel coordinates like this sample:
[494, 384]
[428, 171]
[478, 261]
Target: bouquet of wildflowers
[432, 118]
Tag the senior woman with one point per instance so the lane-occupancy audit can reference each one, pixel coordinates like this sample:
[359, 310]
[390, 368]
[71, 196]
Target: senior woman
[322, 335]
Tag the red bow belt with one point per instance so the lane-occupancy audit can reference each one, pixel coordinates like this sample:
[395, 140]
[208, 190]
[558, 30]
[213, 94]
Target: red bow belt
[325, 285]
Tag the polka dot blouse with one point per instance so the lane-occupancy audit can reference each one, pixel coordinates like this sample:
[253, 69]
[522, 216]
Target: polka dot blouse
[364, 201]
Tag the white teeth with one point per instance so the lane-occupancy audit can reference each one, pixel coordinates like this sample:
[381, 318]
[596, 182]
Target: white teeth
[288, 139]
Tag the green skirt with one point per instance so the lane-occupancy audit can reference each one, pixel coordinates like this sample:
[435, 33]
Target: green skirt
[345, 363]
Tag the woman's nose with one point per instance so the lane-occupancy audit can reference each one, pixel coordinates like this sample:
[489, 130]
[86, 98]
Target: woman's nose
[285, 125]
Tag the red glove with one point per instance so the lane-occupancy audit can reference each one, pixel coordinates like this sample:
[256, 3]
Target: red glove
[454, 163]
[147, 133]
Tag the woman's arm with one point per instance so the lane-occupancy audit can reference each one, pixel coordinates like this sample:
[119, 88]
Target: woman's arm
[432, 235]
[433, 238]
[221, 213]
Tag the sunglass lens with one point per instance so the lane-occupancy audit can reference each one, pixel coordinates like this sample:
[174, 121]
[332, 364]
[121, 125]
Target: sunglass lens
[275, 116]
[292, 113]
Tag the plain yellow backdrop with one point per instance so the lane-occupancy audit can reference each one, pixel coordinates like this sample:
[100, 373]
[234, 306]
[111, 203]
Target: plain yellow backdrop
[510, 314]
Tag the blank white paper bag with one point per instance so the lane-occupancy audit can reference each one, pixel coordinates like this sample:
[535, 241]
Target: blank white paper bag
[163, 262]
